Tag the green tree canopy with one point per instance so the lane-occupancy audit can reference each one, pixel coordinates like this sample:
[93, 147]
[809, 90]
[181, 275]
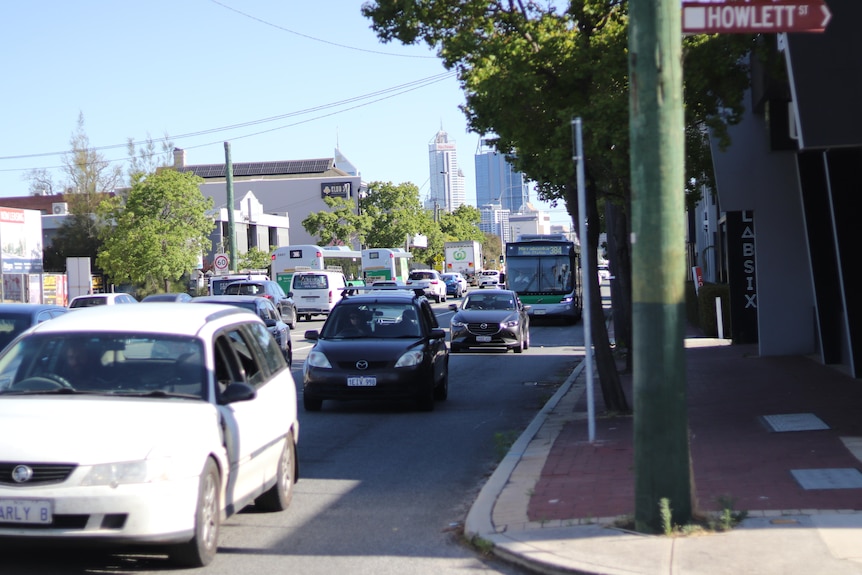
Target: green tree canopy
[160, 232]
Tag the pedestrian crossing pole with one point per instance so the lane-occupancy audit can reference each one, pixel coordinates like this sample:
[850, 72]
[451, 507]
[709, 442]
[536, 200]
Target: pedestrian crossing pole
[661, 447]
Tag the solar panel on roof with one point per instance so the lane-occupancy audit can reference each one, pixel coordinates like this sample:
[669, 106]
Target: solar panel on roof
[262, 168]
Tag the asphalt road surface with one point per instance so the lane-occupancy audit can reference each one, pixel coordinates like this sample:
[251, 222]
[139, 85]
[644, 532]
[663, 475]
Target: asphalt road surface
[383, 488]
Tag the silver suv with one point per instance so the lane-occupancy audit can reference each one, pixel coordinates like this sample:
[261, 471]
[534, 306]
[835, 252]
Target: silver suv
[430, 281]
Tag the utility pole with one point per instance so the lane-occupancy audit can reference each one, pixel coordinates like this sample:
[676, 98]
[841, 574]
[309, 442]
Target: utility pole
[231, 226]
[661, 447]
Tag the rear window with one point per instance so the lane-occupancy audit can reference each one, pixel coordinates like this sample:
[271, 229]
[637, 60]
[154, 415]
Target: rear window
[244, 289]
[88, 301]
[310, 282]
[422, 276]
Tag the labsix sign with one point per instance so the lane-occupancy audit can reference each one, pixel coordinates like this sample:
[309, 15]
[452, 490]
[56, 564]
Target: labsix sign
[754, 16]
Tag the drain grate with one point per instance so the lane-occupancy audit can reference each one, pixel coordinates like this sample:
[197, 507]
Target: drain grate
[848, 478]
[794, 422]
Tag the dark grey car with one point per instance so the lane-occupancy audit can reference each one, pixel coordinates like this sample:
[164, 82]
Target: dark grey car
[15, 318]
[490, 318]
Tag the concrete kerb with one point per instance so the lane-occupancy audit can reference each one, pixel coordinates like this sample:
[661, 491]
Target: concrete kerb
[479, 521]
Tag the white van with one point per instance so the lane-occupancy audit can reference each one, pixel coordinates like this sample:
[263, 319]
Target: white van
[316, 292]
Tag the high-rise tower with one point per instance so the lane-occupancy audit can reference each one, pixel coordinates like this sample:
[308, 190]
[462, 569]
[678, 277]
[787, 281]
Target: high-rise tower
[446, 178]
[497, 182]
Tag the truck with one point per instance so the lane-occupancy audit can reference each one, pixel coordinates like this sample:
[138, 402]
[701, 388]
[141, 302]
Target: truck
[463, 257]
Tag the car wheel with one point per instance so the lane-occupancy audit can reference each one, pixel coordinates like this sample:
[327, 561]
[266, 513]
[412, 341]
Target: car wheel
[292, 323]
[202, 547]
[288, 354]
[277, 497]
[311, 403]
[527, 340]
[520, 347]
[444, 297]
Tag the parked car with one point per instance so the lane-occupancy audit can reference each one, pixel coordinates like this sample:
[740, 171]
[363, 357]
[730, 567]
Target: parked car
[380, 344]
[270, 290]
[430, 281]
[94, 299]
[492, 318]
[175, 297]
[186, 415]
[455, 284]
[317, 292]
[15, 318]
[265, 310]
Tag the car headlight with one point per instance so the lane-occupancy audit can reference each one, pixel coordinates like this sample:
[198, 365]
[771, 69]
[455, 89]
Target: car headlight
[317, 359]
[457, 323]
[409, 359]
[567, 299]
[129, 472]
[511, 323]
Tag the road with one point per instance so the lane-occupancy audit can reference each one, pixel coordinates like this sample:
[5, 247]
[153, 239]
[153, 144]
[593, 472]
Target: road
[383, 488]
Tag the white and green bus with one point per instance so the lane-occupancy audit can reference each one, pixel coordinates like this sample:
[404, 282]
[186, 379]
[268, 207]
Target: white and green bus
[385, 264]
[545, 272]
[287, 260]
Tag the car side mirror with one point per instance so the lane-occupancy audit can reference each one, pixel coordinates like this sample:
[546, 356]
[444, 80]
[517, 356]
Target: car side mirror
[437, 333]
[290, 294]
[312, 335]
[237, 391]
[453, 306]
[270, 322]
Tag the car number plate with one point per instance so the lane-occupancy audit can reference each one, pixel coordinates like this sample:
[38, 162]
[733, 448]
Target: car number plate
[540, 312]
[364, 381]
[483, 338]
[26, 511]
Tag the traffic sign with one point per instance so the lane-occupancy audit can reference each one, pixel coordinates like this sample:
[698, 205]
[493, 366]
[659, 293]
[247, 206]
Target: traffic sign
[221, 262]
[754, 16]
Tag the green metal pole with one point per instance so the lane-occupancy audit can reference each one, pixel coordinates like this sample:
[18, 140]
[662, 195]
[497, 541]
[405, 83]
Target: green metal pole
[231, 225]
[661, 447]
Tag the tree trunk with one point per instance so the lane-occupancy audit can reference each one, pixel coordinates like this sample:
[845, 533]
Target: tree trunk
[619, 250]
[612, 390]
[606, 365]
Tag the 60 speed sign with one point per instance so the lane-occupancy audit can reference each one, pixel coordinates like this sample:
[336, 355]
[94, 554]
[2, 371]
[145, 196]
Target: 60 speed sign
[221, 262]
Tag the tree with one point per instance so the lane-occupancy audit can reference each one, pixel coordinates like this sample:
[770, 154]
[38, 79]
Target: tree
[528, 69]
[89, 178]
[160, 232]
[255, 259]
[144, 159]
[396, 212]
[338, 226]
[462, 224]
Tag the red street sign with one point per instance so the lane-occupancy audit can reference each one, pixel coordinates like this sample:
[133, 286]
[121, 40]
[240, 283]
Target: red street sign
[754, 16]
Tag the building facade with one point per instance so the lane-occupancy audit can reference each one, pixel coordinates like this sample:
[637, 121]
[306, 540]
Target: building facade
[497, 181]
[446, 179]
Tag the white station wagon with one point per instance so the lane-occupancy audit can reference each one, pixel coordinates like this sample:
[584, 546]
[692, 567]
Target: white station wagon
[129, 431]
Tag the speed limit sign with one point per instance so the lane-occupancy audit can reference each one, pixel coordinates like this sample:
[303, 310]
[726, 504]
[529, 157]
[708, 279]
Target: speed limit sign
[221, 262]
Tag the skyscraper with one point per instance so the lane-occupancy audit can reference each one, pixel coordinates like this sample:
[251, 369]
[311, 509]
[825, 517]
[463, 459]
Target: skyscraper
[497, 181]
[446, 178]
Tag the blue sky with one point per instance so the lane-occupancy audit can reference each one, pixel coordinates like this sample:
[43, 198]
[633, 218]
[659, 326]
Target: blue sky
[282, 80]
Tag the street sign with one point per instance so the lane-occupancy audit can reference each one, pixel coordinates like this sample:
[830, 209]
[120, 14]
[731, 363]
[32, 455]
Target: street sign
[221, 262]
[754, 16]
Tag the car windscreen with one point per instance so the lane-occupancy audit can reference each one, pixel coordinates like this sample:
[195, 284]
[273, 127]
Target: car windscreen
[115, 363]
[377, 320]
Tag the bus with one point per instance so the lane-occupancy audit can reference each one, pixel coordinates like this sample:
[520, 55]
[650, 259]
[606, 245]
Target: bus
[544, 270]
[385, 264]
[286, 260]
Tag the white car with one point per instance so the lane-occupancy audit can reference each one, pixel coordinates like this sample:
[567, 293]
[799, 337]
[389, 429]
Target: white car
[430, 281]
[184, 415]
[489, 278]
[94, 299]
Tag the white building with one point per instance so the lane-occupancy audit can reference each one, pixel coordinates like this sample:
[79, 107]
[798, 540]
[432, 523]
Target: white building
[445, 177]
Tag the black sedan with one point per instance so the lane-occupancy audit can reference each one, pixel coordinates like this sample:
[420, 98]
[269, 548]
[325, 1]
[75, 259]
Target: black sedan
[266, 310]
[382, 344]
[490, 318]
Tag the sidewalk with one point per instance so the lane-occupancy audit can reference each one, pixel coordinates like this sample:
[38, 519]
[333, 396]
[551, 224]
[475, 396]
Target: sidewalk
[775, 436]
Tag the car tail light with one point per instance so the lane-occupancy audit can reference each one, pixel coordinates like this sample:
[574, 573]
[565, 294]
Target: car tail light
[330, 296]
[269, 297]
